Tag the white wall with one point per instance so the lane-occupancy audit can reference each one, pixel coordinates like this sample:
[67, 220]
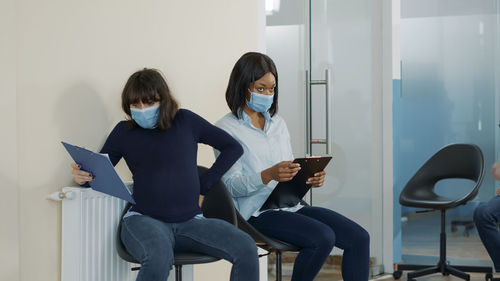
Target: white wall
[73, 58]
[9, 204]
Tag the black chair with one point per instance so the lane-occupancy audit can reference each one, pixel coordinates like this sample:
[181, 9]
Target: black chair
[217, 204]
[267, 243]
[464, 161]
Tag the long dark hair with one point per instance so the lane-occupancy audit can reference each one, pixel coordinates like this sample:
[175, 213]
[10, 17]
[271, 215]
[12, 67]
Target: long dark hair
[249, 68]
[148, 85]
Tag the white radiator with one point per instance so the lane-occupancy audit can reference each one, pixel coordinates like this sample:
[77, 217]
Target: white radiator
[89, 222]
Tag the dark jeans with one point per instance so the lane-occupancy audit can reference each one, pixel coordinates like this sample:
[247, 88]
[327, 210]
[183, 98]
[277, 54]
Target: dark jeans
[316, 231]
[153, 242]
[486, 217]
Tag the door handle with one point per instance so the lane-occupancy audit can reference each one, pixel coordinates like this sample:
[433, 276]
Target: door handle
[309, 140]
[308, 116]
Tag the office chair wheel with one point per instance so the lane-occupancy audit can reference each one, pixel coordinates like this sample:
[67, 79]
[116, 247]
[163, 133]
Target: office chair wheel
[397, 274]
[488, 277]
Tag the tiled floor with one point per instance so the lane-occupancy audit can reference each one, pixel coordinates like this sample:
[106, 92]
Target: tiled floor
[434, 277]
[332, 273]
[330, 270]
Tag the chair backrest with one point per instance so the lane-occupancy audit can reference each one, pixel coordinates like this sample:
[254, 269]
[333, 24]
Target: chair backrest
[455, 161]
[120, 248]
[217, 204]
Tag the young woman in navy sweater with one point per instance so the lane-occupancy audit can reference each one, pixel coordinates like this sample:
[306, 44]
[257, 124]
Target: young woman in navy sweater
[159, 143]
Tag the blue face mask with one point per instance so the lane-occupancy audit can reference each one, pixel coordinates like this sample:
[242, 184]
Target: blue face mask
[147, 117]
[260, 102]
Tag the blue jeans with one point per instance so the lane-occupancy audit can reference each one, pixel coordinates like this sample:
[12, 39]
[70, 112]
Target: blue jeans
[486, 217]
[316, 231]
[153, 242]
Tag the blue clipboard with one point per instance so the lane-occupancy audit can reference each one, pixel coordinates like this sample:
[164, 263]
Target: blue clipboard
[106, 180]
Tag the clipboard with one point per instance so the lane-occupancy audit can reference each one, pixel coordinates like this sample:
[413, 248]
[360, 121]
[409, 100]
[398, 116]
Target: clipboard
[290, 193]
[106, 180]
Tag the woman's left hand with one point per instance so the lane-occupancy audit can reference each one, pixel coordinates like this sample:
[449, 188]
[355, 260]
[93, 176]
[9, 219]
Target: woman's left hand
[317, 180]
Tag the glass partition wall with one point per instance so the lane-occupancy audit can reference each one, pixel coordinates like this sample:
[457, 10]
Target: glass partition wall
[449, 94]
[328, 55]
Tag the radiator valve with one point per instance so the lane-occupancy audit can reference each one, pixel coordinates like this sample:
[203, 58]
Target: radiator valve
[60, 195]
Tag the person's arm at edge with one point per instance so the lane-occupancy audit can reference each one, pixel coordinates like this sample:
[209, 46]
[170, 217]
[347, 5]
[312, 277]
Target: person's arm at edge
[495, 171]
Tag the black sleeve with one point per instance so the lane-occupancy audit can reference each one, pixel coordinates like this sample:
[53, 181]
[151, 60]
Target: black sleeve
[230, 149]
[112, 145]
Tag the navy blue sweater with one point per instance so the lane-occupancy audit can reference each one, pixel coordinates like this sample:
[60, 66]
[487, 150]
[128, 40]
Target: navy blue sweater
[164, 167]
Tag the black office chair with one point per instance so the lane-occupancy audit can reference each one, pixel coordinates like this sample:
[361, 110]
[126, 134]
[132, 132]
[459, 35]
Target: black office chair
[267, 243]
[464, 161]
[217, 204]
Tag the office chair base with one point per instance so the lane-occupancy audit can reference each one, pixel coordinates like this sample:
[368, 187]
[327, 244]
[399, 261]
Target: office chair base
[489, 277]
[443, 268]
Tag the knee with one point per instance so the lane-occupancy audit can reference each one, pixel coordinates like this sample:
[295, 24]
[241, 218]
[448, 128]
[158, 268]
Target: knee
[244, 251]
[246, 246]
[160, 257]
[362, 237]
[325, 239]
[481, 214]
[359, 240]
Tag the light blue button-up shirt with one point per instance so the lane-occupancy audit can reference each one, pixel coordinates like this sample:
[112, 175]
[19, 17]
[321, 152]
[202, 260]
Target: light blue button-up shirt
[262, 149]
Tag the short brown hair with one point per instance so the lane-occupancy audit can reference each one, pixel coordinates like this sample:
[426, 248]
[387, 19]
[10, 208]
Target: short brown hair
[148, 85]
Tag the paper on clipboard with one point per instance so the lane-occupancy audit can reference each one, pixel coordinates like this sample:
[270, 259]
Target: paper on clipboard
[106, 180]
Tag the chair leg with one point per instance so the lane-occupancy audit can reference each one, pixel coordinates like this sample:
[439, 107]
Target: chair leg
[442, 265]
[442, 244]
[479, 269]
[403, 266]
[278, 265]
[178, 272]
[423, 272]
[457, 273]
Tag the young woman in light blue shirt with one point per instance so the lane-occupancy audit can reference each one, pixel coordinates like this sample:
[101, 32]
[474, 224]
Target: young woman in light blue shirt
[252, 96]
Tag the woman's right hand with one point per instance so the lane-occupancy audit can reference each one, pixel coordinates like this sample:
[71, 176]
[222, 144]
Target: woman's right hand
[281, 172]
[80, 177]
